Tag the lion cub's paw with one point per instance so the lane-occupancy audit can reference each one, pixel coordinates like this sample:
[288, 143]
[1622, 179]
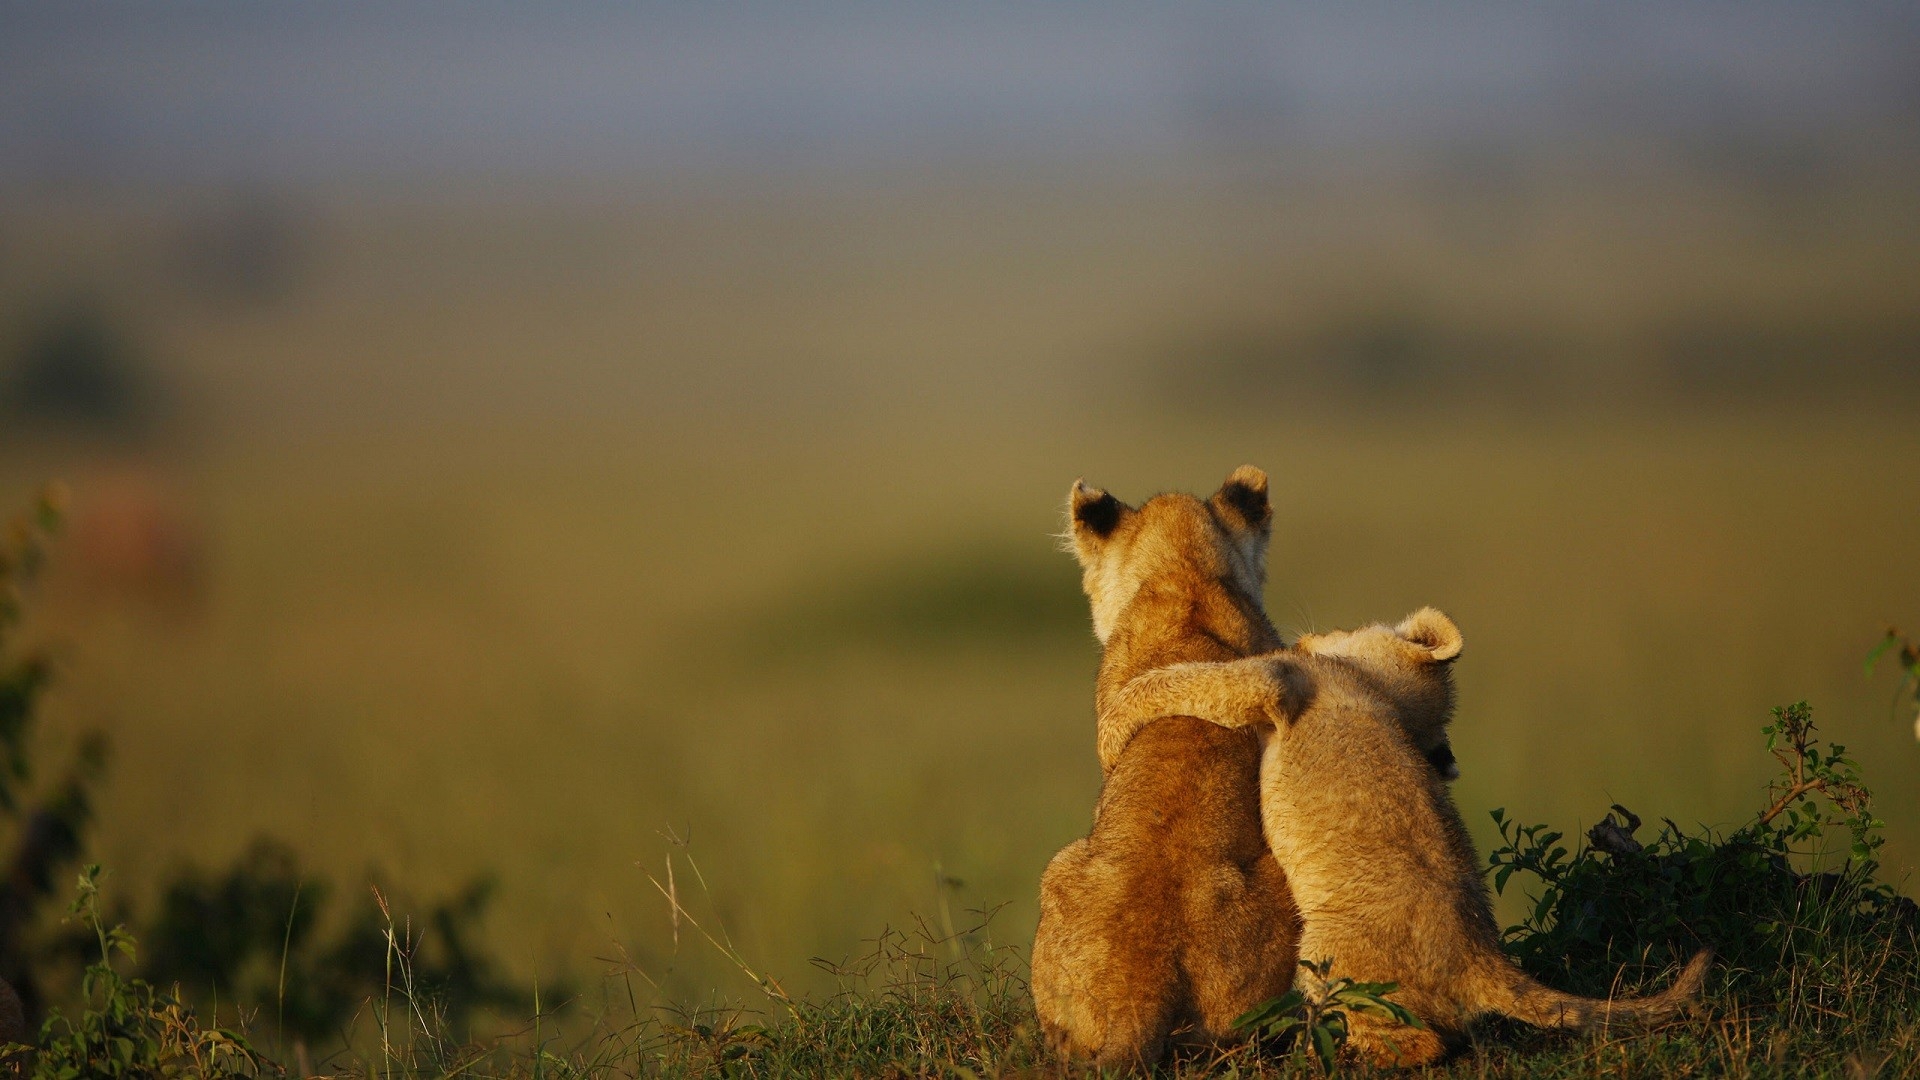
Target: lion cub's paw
[1286, 690]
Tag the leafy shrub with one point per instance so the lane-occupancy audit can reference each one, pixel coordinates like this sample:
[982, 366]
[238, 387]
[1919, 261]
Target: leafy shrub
[45, 826]
[251, 936]
[128, 1027]
[248, 936]
[77, 370]
[1803, 932]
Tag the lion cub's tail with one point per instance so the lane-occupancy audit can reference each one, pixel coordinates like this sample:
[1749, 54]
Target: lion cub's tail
[1528, 1001]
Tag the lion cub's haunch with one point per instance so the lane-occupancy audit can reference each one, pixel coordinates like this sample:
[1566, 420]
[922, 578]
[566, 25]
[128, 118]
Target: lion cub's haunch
[1171, 918]
[1381, 867]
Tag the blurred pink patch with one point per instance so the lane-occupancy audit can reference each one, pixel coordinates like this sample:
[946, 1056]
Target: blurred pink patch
[131, 537]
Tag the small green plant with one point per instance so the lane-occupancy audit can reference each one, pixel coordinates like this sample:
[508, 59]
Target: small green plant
[1313, 1017]
[1844, 802]
[128, 1027]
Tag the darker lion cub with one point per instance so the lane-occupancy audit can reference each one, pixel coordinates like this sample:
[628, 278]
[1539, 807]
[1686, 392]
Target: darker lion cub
[1171, 918]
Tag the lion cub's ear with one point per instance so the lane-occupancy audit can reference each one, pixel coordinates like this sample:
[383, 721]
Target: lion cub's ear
[1432, 630]
[1242, 499]
[1093, 514]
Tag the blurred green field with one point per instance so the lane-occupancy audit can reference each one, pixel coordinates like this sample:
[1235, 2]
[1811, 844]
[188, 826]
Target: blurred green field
[536, 541]
[842, 667]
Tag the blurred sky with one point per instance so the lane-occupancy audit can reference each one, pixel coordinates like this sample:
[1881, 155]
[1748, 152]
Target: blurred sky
[249, 92]
[832, 202]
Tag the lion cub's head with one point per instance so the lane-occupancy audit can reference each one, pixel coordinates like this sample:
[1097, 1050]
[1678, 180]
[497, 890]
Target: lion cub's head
[1409, 665]
[1119, 546]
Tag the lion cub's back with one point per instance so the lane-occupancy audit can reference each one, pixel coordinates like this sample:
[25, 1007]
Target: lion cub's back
[1172, 916]
[1349, 800]
[1184, 779]
[1176, 813]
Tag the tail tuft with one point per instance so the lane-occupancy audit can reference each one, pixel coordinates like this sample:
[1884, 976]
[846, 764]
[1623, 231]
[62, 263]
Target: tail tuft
[1693, 977]
[1542, 1007]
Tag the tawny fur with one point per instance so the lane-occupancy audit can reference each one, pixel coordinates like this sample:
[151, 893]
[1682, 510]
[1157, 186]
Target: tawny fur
[1171, 918]
[1275, 687]
[1380, 864]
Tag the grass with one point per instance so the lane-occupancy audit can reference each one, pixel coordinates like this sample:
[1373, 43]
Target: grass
[1818, 974]
[1818, 969]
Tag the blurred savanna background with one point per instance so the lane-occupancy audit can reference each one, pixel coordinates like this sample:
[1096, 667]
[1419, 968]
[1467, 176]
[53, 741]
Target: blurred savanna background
[530, 444]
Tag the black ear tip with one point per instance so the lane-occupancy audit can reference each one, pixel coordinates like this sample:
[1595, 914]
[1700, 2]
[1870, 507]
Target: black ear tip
[1246, 492]
[1098, 514]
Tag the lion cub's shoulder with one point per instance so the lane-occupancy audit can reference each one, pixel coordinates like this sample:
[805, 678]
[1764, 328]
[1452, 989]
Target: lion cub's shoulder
[1402, 669]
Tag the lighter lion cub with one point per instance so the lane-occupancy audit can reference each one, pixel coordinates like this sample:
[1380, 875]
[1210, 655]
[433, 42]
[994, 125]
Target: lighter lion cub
[1381, 867]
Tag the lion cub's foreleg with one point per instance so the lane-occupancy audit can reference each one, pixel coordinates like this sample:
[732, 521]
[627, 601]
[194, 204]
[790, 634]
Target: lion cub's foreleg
[1266, 689]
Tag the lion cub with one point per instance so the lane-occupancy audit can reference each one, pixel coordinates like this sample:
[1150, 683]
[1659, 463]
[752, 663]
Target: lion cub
[1171, 918]
[1384, 874]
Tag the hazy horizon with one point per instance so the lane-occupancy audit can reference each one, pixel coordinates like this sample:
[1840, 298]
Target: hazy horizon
[235, 93]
